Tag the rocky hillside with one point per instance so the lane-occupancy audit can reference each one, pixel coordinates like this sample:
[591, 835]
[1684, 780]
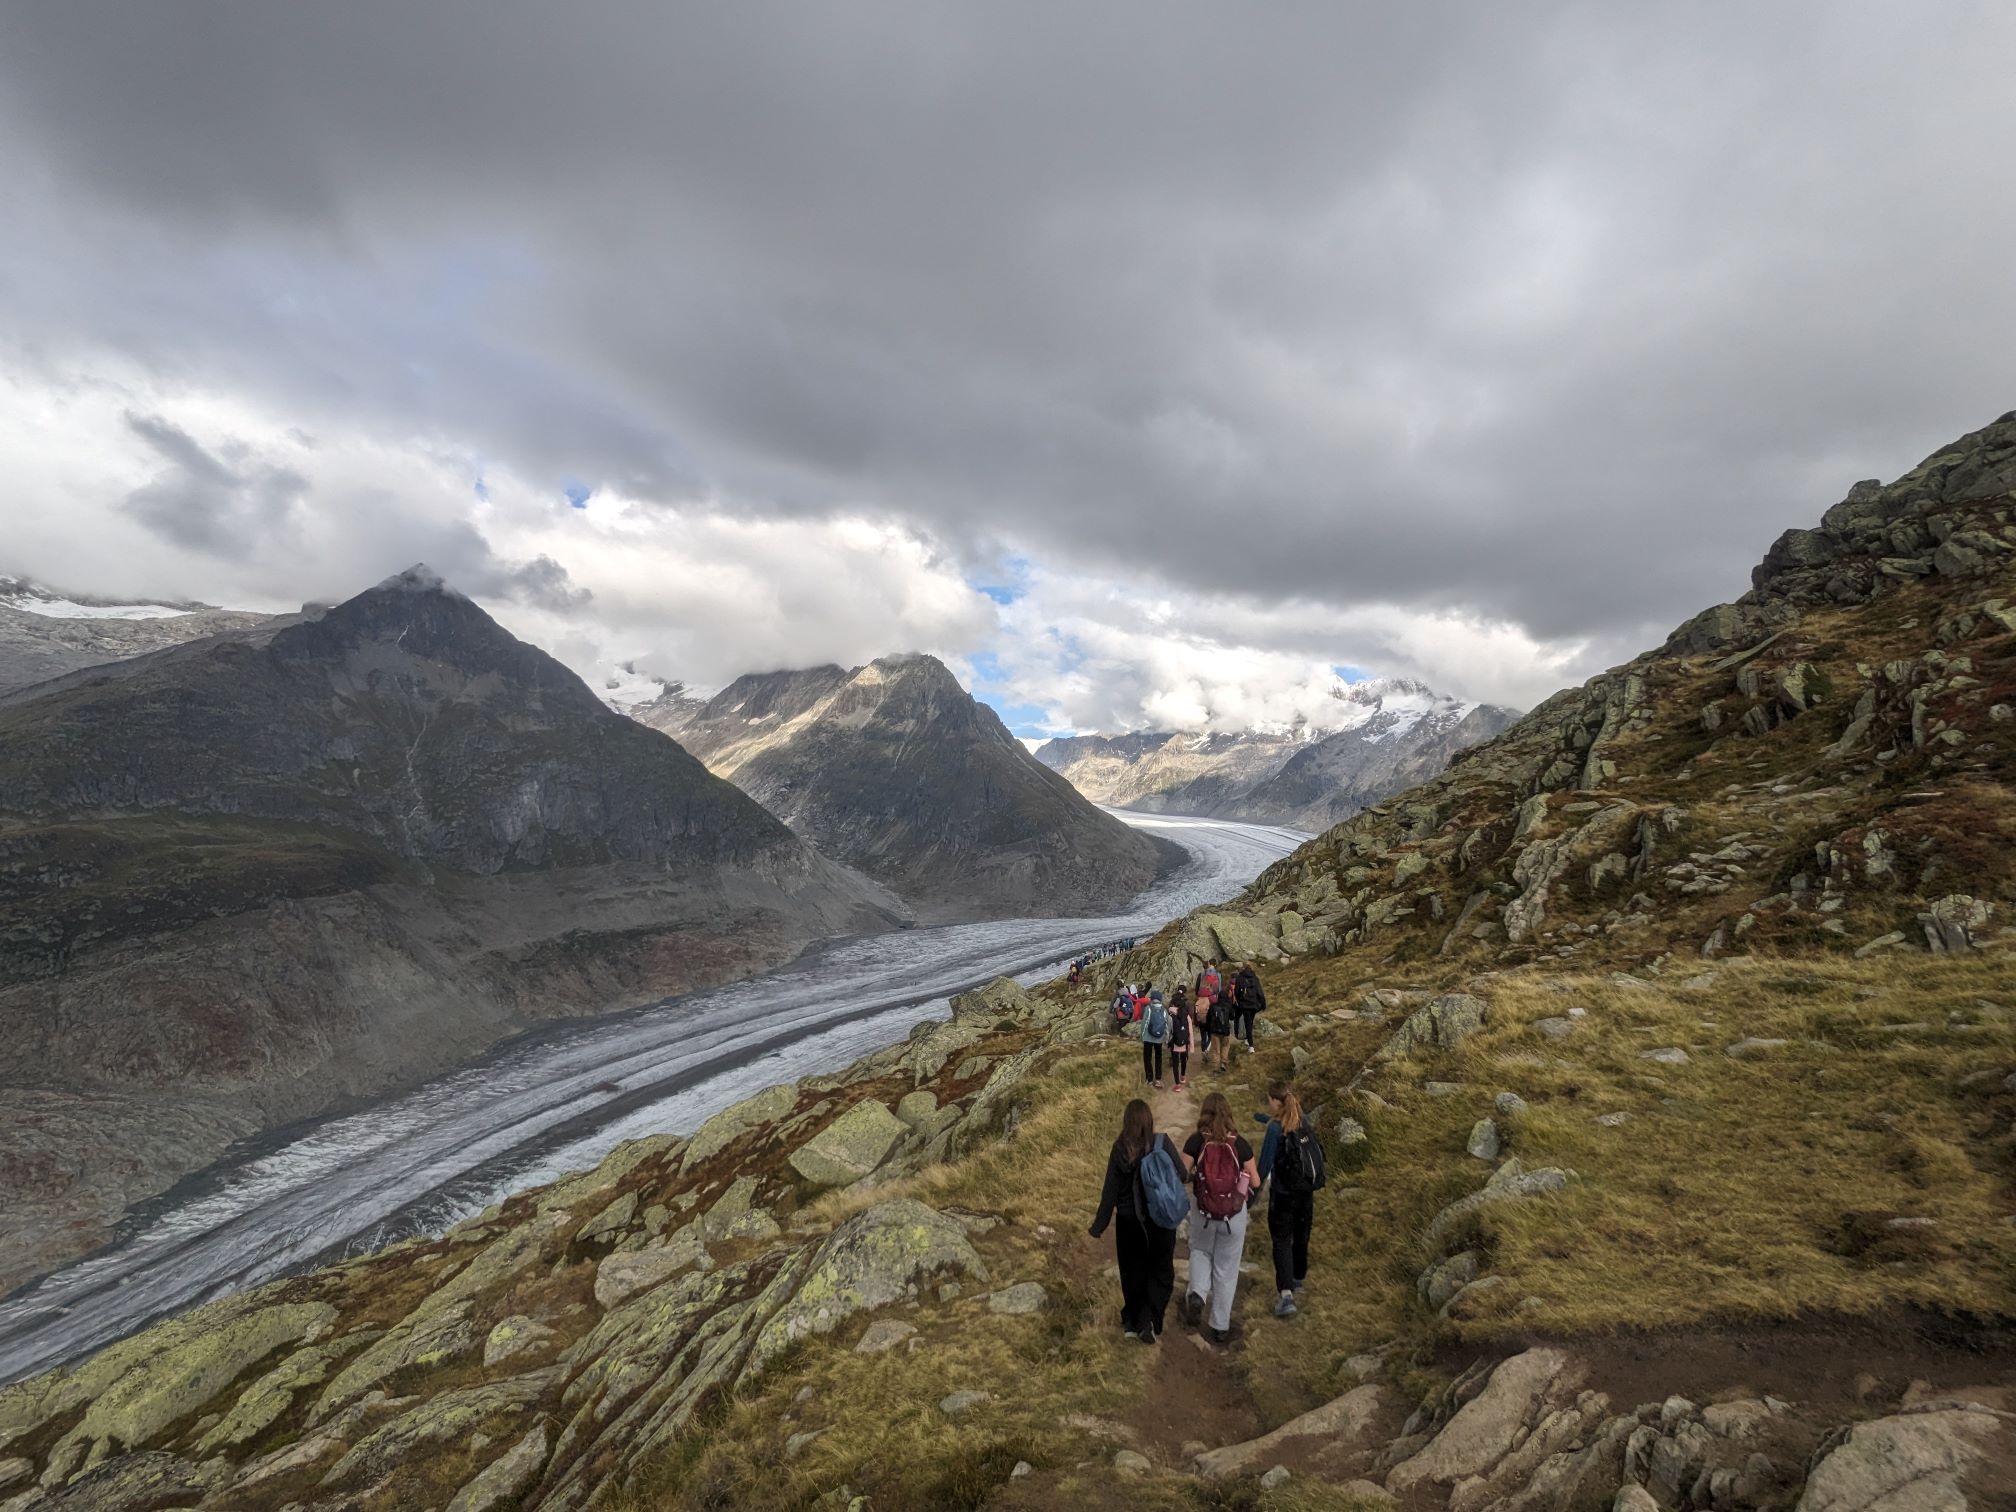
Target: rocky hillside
[895, 769]
[44, 633]
[321, 855]
[1664, 1051]
[1387, 734]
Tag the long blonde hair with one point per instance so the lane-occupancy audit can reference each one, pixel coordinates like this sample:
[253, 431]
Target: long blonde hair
[1291, 1105]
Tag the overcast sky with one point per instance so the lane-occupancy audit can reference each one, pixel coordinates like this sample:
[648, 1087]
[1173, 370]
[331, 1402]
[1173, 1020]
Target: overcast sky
[1148, 361]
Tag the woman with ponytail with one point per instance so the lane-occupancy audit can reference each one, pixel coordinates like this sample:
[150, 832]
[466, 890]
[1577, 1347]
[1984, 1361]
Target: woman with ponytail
[1291, 1162]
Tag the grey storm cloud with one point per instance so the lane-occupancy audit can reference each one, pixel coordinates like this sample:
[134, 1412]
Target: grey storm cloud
[1554, 312]
[201, 500]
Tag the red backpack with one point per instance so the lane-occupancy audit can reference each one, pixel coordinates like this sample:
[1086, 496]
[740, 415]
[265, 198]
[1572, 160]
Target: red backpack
[1221, 1183]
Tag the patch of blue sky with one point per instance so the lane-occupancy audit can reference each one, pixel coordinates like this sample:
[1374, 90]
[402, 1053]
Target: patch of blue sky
[1009, 584]
[1350, 674]
[578, 494]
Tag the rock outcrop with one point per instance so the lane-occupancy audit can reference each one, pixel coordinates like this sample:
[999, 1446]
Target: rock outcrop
[1861, 682]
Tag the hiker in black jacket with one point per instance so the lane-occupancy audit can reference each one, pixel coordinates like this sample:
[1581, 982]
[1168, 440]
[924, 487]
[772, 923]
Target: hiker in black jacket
[1248, 999]
[1145, 1250]
[1292, 1165]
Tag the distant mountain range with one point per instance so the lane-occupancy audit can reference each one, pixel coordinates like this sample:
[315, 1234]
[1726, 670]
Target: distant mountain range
[1386, 735]
[321, 854]
[44, 633]
[895, 769]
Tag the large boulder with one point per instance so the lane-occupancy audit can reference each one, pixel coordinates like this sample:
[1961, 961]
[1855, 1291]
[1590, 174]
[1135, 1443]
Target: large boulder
[870, 1261]
[1346, 1421]
[731, 1123]
[849, 1147]
[1444, 1022]
[1486, 1428]
[1914, 1460]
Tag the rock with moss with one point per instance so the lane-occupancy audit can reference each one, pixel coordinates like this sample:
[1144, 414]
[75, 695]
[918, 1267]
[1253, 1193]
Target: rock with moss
[514, 1338]
[850, 1147]
[1440, 1024]
[868, 1262]
[424, 1337]
[133, 1392]
[504, 1478]
[625, 1274]
[267, 1399]
[731, 1123]
[449, 1417]
[609, 1224]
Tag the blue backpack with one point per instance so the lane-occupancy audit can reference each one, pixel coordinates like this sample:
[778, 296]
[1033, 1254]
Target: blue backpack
[1158, 1022]
[1168, 1203]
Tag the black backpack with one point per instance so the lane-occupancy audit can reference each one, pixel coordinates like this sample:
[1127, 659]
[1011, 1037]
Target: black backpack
[1298, 1164]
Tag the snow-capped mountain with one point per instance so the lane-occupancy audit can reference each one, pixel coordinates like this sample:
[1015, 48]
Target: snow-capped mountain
[1380, 736]
[45, 633]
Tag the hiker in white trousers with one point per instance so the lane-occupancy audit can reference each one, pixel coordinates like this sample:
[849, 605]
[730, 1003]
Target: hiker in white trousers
[1223, 1178]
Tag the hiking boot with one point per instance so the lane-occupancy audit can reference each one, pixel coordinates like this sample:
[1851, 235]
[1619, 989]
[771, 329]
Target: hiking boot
[1285, 1308]
[1192, 1309]
[1219, 1336]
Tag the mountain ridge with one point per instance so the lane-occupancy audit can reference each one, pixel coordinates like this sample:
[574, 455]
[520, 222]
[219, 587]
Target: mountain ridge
[1303, 776]
[895, 768]
[318, 855]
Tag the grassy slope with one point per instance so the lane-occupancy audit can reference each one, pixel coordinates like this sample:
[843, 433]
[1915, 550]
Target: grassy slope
[1740, 1190]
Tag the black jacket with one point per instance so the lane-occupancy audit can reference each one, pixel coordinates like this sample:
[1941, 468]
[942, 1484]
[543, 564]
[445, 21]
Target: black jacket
[1122, 1191]
[1248, 993]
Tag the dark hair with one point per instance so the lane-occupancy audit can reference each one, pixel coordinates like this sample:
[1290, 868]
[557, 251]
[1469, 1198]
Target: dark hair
[1291, 1105]
[1137, 1129]
[1214, 1119]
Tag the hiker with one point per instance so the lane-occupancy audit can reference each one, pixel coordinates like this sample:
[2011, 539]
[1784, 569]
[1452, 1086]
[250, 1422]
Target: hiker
[1218, 1027]
[1180, 1029]
[1249, 1000]
[1154, 1035]
[1123, 1008]
[1208, 981]
[1292, 1156]
[1223, 1176]
[1144, 1193]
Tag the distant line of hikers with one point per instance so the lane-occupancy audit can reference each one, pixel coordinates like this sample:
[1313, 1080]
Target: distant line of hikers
[1146, 1201]
[1213, 1012]
[1080, 964]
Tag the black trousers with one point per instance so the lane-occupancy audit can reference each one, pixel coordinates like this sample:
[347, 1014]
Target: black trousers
[1289, 1215]
[1147, 1257]
[1242, 1026]
[1179, 1064]
[1151, 1061]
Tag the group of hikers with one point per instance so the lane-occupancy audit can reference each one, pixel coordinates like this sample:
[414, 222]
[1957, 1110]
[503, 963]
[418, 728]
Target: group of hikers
[1211, 1013]
[1080, 964]
[1211, 1183]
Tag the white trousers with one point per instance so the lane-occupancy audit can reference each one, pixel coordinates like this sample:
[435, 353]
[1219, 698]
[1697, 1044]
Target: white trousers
[1216, 1245]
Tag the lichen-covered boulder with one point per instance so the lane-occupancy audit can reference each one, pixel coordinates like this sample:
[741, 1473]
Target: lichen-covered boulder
[423, 1337]
[262, 1404]
[135, 1390]
[731, 1123]
[505, 1477]
[626, 1273]
[870, 1261]
[451, 1416]
[1439, 1024]
[849, 1147]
